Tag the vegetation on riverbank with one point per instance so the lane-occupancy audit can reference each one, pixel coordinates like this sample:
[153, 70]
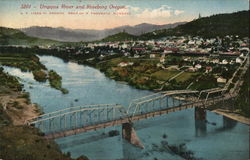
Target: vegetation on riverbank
[9, 81]
[40, 76]
[25, 62]
[19, 141]
[30, 63]
[23, 143]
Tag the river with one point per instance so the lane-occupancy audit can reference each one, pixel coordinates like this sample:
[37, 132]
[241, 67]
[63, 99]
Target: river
[220, 139]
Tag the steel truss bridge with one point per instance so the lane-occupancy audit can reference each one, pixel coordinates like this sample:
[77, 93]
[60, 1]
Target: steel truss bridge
[83, 118]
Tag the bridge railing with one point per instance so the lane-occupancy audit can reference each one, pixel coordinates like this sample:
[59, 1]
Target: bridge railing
[79, 118]
[157, 102]
[161, 93]
[51, 114]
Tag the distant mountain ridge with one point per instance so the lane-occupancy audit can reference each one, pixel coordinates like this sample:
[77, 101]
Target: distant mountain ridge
[77, 35]
[10, 36]
[217, 25]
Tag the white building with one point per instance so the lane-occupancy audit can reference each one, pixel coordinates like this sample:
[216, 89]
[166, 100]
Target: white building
[152, 55]
[123, 64]
[238, 60]
[198, 66]
[221, 80]
[224, 61]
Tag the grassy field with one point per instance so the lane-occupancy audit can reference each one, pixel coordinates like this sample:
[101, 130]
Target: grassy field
[185, 76]
[116, 61]
[164, 74]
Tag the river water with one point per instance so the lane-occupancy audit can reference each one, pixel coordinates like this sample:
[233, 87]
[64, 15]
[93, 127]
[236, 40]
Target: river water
[220, 139]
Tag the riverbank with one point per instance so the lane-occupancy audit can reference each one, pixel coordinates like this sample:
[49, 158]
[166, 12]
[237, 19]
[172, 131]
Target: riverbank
[16, 104]
[19, 141]
[31, 63]
[232, 115]
[18, 107]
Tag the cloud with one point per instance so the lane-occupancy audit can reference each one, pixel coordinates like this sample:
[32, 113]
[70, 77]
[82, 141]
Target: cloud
[162, 12]
[177, 12]
[135, 9]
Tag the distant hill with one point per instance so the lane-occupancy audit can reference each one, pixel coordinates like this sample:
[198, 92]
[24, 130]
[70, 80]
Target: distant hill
[61, 34]
[77, 35]
[9, 36]
[217, 25]
[122, 36]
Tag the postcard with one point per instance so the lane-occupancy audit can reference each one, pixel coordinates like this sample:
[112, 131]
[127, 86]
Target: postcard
[124, 80]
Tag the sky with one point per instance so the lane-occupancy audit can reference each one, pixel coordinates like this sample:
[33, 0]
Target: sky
[114, 12]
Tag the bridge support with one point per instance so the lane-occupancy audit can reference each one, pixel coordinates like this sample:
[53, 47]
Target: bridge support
[200, 121]
[200, 113]
[128, 133]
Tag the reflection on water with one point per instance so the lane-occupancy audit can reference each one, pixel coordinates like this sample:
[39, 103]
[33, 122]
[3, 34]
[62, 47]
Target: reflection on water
[200, 128]
[130, 152]
[19, 73]
[228, 123]
[218, 138]
[81, 141]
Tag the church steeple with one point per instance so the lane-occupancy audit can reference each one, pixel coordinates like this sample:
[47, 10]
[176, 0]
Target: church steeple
[199, 16]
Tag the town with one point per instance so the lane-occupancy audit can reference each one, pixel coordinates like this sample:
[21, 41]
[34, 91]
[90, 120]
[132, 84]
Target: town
[171, 62]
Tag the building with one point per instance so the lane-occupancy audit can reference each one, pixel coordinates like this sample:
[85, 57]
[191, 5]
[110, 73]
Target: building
[221, 80]
[152, 56]
[198, 66]
[209, 69]
[224, 61]
[238, 60]
[123, 64]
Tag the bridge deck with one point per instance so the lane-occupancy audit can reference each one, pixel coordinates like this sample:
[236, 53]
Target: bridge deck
[134, 118]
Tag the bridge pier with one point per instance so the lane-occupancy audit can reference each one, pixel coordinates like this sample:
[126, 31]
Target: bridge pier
[200, 123]
[129, 134]
[200, 113]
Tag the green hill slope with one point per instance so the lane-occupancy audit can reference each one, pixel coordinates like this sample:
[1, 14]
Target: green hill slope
[217, 25]
[9, 36]
[122, 36]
